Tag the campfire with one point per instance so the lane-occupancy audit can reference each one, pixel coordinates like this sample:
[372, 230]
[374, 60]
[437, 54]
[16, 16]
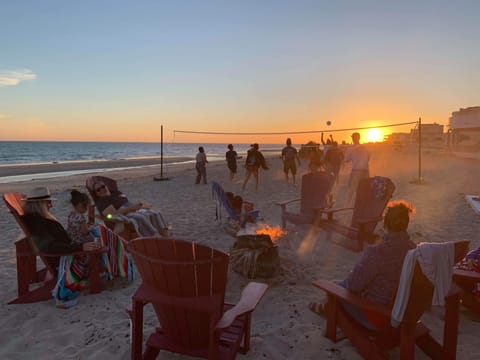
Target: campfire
[275, 232]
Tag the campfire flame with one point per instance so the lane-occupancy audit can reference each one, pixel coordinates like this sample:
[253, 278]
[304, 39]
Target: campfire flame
[273, 231]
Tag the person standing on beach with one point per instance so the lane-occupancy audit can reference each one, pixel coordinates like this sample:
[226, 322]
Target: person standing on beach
[201, 159]
[289, 156]
[254, 161]
[359, 156]
[333, 160]
[231, 157]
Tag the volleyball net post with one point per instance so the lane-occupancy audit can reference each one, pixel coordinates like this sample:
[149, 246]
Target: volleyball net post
[161, 177]
[420, 180]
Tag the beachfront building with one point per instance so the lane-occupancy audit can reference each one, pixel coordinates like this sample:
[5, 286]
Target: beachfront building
[464, 129]
[398, 138]
[432, 135]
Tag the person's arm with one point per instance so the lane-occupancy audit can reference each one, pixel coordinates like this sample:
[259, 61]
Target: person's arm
[363, 273]
[110, 210]
[323, 141]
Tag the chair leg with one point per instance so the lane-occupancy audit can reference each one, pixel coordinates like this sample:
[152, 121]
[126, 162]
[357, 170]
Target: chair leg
[332, 311]
[450, 332]
[407, 342]
[137, 329]
[246, 333]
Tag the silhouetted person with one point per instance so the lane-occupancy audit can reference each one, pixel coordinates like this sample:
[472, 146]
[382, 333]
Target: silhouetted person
[289, 156]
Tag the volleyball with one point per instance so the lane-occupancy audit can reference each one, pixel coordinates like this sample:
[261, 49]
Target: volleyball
[329, 123]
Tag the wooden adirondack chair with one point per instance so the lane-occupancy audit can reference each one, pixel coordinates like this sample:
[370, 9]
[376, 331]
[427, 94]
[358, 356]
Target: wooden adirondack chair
[185, 282]
[371, 199]
[467, 280]
[316, 188]
[44, 278]
[372, 344]
[123, 228]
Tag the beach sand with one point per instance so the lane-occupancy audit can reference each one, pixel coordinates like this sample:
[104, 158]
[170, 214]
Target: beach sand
[282, 327]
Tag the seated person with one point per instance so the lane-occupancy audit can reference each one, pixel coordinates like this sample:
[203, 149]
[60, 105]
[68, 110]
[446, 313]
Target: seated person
[235, 202]
[147, 222]
[47, 233]
[77, 227]
[376, 275]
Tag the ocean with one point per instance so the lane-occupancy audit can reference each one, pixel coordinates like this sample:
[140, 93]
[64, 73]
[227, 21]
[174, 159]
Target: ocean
[44, 152]
[27, 153]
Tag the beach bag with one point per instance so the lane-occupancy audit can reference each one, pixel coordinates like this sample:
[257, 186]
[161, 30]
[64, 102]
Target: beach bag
[255, 256]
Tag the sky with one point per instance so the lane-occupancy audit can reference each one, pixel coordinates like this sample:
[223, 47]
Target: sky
[100, 70]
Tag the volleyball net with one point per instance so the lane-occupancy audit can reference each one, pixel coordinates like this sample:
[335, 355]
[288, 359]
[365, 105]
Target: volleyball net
[373, 133]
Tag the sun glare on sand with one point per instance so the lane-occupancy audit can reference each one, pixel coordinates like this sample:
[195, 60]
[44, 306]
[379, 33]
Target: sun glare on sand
[374, 135]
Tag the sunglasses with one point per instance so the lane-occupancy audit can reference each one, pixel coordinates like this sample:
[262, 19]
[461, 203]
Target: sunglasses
[100, 188]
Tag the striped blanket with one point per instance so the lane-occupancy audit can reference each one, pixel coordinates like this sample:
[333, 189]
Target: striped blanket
[116, 261]
[73, 270]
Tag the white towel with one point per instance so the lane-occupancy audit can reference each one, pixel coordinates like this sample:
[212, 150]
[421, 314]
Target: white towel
[436, 261]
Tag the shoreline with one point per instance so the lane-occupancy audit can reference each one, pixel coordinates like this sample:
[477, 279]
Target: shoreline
[24, 172]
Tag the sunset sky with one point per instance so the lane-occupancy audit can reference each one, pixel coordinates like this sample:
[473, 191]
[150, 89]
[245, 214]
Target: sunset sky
[117, 70]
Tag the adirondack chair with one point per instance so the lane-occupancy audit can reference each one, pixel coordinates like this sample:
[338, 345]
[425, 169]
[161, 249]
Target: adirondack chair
[316, 188]
[43, 278]
[371, 199]
[373, 343]
[221, 199]
[185, 282]
[123, 228]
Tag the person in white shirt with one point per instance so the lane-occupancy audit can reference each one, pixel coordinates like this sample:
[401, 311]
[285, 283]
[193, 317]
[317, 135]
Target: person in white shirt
[201, 160]
[359, 156]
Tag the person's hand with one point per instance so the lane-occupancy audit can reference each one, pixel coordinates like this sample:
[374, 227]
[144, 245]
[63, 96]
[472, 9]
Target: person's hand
[90, 246]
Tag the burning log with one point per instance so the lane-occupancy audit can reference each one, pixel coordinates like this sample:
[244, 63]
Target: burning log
[255, 255]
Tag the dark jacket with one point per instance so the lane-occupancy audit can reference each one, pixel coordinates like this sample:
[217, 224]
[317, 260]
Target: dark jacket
[49, 236]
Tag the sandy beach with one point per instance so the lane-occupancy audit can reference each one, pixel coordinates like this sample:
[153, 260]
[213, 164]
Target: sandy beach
[283, 327]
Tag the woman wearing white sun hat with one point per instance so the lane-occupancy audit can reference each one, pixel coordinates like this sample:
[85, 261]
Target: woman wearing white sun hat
[47, 233]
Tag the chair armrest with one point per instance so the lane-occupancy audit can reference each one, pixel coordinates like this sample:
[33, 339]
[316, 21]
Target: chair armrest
[251, 296]
[101, 250]
[363, 221]
[283, 203]
[340, 292]
[470, 275]
[330, 211]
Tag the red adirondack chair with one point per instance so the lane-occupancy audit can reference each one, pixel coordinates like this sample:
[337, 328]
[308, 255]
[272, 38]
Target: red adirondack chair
[371, 199]
[43, 278]
[315, 191]
[372, 344]
[185, 282]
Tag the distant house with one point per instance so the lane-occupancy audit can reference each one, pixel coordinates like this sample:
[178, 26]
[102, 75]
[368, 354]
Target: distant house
[464, 129]
[432, 135]
[398, 138]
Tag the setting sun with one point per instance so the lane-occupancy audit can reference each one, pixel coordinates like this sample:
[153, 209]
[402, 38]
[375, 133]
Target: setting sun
[374, 135]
